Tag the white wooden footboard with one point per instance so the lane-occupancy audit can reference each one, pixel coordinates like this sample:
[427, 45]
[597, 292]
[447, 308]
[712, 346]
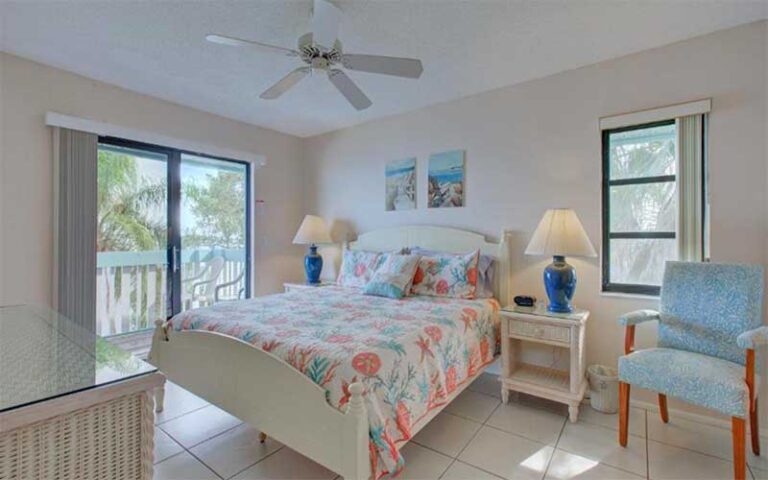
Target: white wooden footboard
[269, 394]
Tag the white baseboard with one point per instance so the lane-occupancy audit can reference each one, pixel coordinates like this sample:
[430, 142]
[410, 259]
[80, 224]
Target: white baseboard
[714, 421]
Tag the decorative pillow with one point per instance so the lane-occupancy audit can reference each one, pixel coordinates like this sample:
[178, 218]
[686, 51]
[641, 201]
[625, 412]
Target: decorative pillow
[447, 275]
[486, 269]
[393, 277]
[357, 268]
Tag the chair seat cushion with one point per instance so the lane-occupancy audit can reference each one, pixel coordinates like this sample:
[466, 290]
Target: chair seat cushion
[707, 381]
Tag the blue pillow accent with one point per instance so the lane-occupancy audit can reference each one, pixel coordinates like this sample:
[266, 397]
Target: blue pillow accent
[383, 289]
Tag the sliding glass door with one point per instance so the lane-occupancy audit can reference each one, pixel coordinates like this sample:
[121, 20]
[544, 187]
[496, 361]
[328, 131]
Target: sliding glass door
[213, 225]
[132, 238]
[173, 233]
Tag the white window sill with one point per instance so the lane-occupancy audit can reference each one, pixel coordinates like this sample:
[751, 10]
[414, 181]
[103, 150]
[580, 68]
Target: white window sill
[629, 296]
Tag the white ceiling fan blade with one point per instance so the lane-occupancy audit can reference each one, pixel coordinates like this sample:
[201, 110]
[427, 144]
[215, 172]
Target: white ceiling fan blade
[397, 66]
[239, 42]
[285, 83]
[325, 23]
[347, 87]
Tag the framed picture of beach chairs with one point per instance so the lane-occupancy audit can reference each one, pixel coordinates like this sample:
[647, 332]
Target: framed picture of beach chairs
[445, 187]
[401, 185]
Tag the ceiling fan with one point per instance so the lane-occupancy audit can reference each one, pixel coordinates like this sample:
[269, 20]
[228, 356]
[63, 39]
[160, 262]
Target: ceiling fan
[321, 51]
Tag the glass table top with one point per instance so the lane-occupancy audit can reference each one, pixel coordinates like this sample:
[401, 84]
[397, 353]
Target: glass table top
[45, 355]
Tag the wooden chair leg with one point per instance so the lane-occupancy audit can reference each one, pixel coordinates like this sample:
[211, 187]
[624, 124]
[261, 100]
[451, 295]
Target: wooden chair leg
[738, 430]
[623, 413]
[262, 437]
[663, 408]
[754, 427]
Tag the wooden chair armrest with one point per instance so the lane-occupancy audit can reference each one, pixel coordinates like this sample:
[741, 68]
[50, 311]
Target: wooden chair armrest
[632, 319]
[749, 374]
[757, 337]
[638, 316]
[629, 339]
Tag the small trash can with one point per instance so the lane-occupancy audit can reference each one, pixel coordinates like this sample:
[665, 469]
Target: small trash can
[603, 388]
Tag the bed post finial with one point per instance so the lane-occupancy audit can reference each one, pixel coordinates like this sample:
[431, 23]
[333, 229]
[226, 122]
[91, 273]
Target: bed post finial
[357, 462]
[505, 271]
[159, 335]
[356, 403]
[160, 331]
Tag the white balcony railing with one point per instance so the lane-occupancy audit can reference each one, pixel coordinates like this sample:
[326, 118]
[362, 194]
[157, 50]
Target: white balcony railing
[131, 286]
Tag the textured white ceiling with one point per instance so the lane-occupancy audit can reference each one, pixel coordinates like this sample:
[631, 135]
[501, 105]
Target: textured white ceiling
[467, 46]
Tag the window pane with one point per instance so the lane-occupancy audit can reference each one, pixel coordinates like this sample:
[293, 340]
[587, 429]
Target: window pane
[647, 207]
[640, 261]
[213, 234]
[645, 152]
[132, 233]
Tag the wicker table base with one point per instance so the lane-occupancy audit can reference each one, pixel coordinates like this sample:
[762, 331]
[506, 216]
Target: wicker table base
[113, 439]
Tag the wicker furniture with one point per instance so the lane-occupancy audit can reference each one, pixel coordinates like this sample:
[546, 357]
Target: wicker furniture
[72, 406]
[538, 325]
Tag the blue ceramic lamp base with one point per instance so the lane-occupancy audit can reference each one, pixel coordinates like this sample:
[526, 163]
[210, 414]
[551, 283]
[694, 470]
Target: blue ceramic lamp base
[313, 265]
[560, 282]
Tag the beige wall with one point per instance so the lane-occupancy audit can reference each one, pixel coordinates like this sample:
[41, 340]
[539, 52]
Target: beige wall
[536, 145]
[28, 90]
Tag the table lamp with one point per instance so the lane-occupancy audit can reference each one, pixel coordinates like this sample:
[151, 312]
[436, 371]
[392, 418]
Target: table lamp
[312, 231]
[559, 234]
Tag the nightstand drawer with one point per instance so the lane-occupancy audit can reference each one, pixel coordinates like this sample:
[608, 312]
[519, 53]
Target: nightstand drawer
[551, 333]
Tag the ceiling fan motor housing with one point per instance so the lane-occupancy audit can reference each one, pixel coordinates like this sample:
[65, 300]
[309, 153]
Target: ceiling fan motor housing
[317, 56]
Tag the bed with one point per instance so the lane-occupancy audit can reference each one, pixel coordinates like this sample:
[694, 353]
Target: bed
[341, 377]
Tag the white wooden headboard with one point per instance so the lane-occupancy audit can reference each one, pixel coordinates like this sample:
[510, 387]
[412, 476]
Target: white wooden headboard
[442, 239]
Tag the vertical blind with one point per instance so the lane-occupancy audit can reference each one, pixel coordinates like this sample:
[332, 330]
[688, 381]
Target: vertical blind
[75, 204]
[690, 188]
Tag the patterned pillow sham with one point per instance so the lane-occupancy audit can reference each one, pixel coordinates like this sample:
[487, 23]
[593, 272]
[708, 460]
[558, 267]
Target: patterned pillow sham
[357, 268]
[446, 275]
[393, 277]
[486, 269]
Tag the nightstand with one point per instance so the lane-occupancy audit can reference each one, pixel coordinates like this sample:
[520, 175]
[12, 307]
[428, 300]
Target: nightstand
[293, 287]
[560, 330]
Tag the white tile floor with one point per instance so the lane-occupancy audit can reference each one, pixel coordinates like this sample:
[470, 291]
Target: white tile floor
[474, 438]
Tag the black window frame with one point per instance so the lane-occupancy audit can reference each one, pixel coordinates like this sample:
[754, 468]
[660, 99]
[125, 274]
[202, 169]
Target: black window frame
[173, 284]
[607, 235]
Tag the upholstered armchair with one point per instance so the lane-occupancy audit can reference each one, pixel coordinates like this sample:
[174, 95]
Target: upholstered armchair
[709, 325]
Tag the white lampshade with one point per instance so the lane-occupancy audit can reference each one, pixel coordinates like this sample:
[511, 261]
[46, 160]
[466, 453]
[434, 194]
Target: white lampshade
[312, 230]
[560, 233]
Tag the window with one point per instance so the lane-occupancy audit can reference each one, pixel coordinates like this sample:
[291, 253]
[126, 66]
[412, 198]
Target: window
[172, 233]
[653, 201]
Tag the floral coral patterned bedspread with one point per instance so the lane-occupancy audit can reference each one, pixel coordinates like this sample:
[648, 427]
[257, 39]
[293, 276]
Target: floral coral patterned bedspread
[410, 354]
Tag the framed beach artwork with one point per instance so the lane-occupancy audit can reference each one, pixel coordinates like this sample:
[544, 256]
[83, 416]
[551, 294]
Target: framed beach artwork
[446, 179]
[400, 185]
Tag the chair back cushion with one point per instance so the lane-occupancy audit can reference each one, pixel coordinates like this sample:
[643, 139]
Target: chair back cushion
[705, 306]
